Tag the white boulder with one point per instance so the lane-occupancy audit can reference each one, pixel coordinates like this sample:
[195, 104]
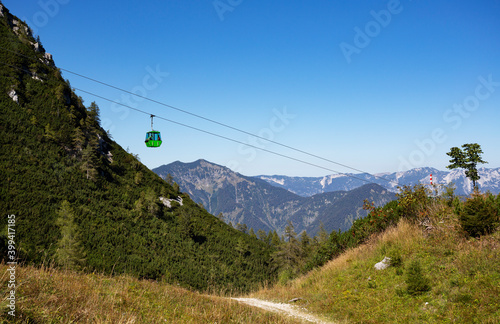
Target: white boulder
[384, 264]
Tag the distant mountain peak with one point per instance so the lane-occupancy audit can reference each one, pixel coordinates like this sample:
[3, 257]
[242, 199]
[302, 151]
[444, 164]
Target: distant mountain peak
[255, 202]
[308, 186]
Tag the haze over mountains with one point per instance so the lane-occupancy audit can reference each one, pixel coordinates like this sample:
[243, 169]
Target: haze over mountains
[260, 205]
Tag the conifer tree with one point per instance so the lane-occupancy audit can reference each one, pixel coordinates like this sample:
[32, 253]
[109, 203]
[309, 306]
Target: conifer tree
[288, 256]
[78, 139]
[467, 159]
[417, 282]
[305, 242]
[242, 249]
[89, 163]
[169, 179]
[322, 234]
[252, 233]
[275, 239]
[148, 203]
[186, 223]
[242, 228]
[261, 234]
[93, 113]
[69, 252]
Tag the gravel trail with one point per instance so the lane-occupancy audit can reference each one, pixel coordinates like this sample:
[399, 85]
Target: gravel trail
[288, 309]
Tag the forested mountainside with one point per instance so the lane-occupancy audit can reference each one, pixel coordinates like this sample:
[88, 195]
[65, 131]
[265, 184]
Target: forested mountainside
[81, 201]
[261, 206]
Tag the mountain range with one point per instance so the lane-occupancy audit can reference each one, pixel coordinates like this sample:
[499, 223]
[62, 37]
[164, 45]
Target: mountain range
[261, 206]
[309, 186]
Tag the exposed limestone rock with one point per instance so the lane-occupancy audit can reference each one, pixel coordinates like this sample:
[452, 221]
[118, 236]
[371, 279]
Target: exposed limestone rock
[34, 76]
[168, 202]
[14, 96]
[109, 156]
[47, 59]
[37, 47]
[28, 31]
[384, 264]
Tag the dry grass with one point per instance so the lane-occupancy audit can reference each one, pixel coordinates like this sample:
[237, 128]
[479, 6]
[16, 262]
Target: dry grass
[51, 296]
[464, 276]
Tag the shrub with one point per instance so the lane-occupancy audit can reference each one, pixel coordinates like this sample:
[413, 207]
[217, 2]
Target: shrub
[396, 259]
[413, 201]
[415, 279]
[479, 215]
[285, 276]
[448, 194]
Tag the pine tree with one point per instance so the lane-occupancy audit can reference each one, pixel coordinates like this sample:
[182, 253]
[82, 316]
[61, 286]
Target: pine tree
[69, 252]
[186, 223]
[467, 159]
[261, 234]
[242, 249]
[78, 139]
[89, 163]
[274, 238]
[417, 282]
[289, 254]
[242, 228]
[322, 234]
[169, 179]
[93, 118]
[479, 215]
[305, 242]
[147, 204]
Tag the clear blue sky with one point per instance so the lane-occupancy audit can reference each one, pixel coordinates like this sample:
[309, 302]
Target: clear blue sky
[376, 85]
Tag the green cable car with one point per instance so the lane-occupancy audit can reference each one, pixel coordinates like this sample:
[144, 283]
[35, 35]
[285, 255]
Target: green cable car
[153, 138]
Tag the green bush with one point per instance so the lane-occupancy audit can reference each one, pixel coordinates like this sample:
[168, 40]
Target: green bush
[479, 215]
[413, 202]
[415, 279]
[285, 276]
[396, 258]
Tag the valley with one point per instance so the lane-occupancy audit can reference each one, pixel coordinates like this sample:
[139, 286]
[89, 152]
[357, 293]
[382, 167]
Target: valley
[261, 206]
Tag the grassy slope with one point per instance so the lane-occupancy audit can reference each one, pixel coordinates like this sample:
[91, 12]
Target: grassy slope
[54, 296]
[464, 276]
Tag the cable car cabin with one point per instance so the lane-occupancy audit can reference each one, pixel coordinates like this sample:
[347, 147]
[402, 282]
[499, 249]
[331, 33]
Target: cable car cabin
[153, 139]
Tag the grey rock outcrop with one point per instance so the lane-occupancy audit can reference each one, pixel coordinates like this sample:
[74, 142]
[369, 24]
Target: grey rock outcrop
[384, 264]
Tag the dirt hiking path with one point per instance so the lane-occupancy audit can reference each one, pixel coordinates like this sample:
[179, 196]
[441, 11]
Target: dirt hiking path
[287, 309]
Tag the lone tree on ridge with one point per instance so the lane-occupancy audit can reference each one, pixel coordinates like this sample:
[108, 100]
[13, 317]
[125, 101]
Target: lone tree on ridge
[467, 159]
